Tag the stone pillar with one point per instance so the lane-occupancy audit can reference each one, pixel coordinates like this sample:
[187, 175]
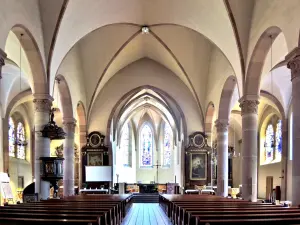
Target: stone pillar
[69, 128]
[82, 141]
[2, 124]
[284, 159]
[222, 151]
[42, 104]
[249, 148]
[293, 59]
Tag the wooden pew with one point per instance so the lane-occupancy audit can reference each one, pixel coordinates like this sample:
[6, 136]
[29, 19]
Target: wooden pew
[184, 210]
[84, 210]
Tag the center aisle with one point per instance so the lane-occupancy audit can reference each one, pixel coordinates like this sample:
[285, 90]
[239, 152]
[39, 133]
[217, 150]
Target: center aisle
[146, 214]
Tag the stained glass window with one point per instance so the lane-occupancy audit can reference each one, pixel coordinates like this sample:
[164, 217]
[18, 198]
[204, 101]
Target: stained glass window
[167, 145]
[11, 137]
[125, 144]
[278, 136]
[21, 140]
[269, 144]
[146, 146]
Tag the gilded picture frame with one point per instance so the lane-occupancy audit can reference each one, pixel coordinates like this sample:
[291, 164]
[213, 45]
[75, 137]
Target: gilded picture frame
[198, 166]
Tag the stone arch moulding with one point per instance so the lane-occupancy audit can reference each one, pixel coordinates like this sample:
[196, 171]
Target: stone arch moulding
[273, 99]
[162, 94]
[226, 96]
[65, 97]
[32, 51]
[159, 111]
[210, 111]
[256, 63]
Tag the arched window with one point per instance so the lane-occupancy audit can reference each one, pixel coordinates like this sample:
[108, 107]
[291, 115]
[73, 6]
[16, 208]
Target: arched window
[11, 137]
[269, 144]
[146, 146]
[168, 143]
[21, 141]
[125, 145]
[278, 143]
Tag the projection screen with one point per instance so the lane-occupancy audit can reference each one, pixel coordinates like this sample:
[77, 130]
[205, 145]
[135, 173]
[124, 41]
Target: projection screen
[98, 173]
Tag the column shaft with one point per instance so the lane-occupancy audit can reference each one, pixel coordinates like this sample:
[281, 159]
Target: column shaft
[222, 151]
[42, 145]
[2, 123]
[294, 64]
[249, 149]
[69, 128]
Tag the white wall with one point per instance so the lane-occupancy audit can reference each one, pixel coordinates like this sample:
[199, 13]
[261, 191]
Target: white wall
[19, 167]
[274, 170]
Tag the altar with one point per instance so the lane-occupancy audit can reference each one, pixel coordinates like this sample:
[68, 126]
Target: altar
[166, 188]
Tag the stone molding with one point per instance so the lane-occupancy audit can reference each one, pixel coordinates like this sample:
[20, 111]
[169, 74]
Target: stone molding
[222, 125]
[249, 106]
[2, 60]
[42, 105]
[294, 66]
[69, 125]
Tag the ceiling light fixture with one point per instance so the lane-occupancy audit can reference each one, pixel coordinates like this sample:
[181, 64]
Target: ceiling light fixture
[145, 30]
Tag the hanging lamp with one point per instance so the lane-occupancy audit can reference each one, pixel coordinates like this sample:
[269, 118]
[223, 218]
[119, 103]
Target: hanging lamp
[51, 130]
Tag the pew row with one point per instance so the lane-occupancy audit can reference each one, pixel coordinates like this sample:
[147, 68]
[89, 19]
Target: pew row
[205, 209]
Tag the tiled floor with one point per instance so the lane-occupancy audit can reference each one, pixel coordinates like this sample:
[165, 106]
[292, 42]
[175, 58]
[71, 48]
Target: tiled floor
[146, 214]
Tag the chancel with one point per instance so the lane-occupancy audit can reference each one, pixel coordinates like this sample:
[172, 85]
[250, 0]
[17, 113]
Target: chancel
[149, 112]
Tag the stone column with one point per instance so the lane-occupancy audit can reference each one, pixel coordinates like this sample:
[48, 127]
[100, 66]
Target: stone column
[222, 151]
[82, 141]
[69, 128]
[293, 59]
[284, 159]
[249, 148]
[42, 104]
[2, 125]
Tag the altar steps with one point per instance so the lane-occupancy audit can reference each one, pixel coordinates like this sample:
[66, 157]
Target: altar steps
[145, 198]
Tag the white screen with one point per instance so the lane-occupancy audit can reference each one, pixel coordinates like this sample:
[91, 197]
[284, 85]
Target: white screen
[97, 173]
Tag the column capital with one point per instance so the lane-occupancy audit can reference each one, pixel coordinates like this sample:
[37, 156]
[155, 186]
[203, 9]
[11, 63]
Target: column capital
[42, 102]
[69, 124]
[2, 60]
[222, 125]
[248, 106]
[293, 62]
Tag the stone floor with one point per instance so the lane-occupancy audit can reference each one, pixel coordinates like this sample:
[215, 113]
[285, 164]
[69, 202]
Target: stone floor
[146, 214]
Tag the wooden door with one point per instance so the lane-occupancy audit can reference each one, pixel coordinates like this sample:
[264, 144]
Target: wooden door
[269, 186]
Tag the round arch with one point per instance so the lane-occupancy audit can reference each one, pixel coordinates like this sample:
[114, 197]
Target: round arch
[255, 67]
[210, 112]
[226, 96]
[33, 53]
[65, 97]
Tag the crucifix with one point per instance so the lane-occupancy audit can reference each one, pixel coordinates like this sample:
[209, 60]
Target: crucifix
[156, 170]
